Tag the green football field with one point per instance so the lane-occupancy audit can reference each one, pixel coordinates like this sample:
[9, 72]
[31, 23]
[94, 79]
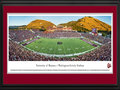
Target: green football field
[51, 46]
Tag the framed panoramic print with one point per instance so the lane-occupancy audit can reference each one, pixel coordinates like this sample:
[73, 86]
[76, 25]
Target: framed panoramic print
[60, 44]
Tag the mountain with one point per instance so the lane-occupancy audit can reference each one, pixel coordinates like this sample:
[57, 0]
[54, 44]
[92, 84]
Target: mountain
[39, 24]
[17, 27]
[13, 27]
[87, 23]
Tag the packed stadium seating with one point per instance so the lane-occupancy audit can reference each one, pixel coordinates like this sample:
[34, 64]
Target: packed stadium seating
[20, 35]
[58, 34]
[18, 53]
[98, 38]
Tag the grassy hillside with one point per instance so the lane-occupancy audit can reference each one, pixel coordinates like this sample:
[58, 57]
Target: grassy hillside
[39, 24]
[87, 23]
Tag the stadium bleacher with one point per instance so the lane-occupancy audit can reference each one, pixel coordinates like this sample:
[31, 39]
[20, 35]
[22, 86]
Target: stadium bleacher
[18, 53]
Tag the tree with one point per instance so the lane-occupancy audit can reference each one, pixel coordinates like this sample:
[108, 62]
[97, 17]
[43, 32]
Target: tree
[42, 28]
[104, 34]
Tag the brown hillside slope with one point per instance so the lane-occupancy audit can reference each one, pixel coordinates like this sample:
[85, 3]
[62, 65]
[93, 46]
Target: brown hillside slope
[38, 24]
[89, 23]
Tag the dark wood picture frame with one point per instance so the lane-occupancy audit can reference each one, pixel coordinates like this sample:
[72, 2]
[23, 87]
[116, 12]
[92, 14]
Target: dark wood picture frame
[58, 3]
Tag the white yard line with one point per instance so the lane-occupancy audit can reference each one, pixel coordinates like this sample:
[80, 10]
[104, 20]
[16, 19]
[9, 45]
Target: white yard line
[62, 55]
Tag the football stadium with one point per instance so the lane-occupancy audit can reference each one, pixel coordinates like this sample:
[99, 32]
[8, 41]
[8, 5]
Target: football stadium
[58, 43]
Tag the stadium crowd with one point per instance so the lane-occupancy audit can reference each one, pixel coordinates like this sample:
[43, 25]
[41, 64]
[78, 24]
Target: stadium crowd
[19, 53]
[98, 38]
[57, 34]
[20, 35]
[100, 54]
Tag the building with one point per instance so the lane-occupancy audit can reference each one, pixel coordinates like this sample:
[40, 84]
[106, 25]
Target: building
[69, 28]
[60, 27]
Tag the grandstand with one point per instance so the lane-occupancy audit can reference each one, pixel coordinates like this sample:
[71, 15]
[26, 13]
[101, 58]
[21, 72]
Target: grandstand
[60, 45]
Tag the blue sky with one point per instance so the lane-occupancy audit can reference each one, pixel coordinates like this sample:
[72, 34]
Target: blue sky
[24, 20]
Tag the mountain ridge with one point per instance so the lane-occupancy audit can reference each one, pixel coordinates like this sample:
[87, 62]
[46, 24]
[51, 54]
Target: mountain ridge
[84, 24]
[87, 23]
[38, 24]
